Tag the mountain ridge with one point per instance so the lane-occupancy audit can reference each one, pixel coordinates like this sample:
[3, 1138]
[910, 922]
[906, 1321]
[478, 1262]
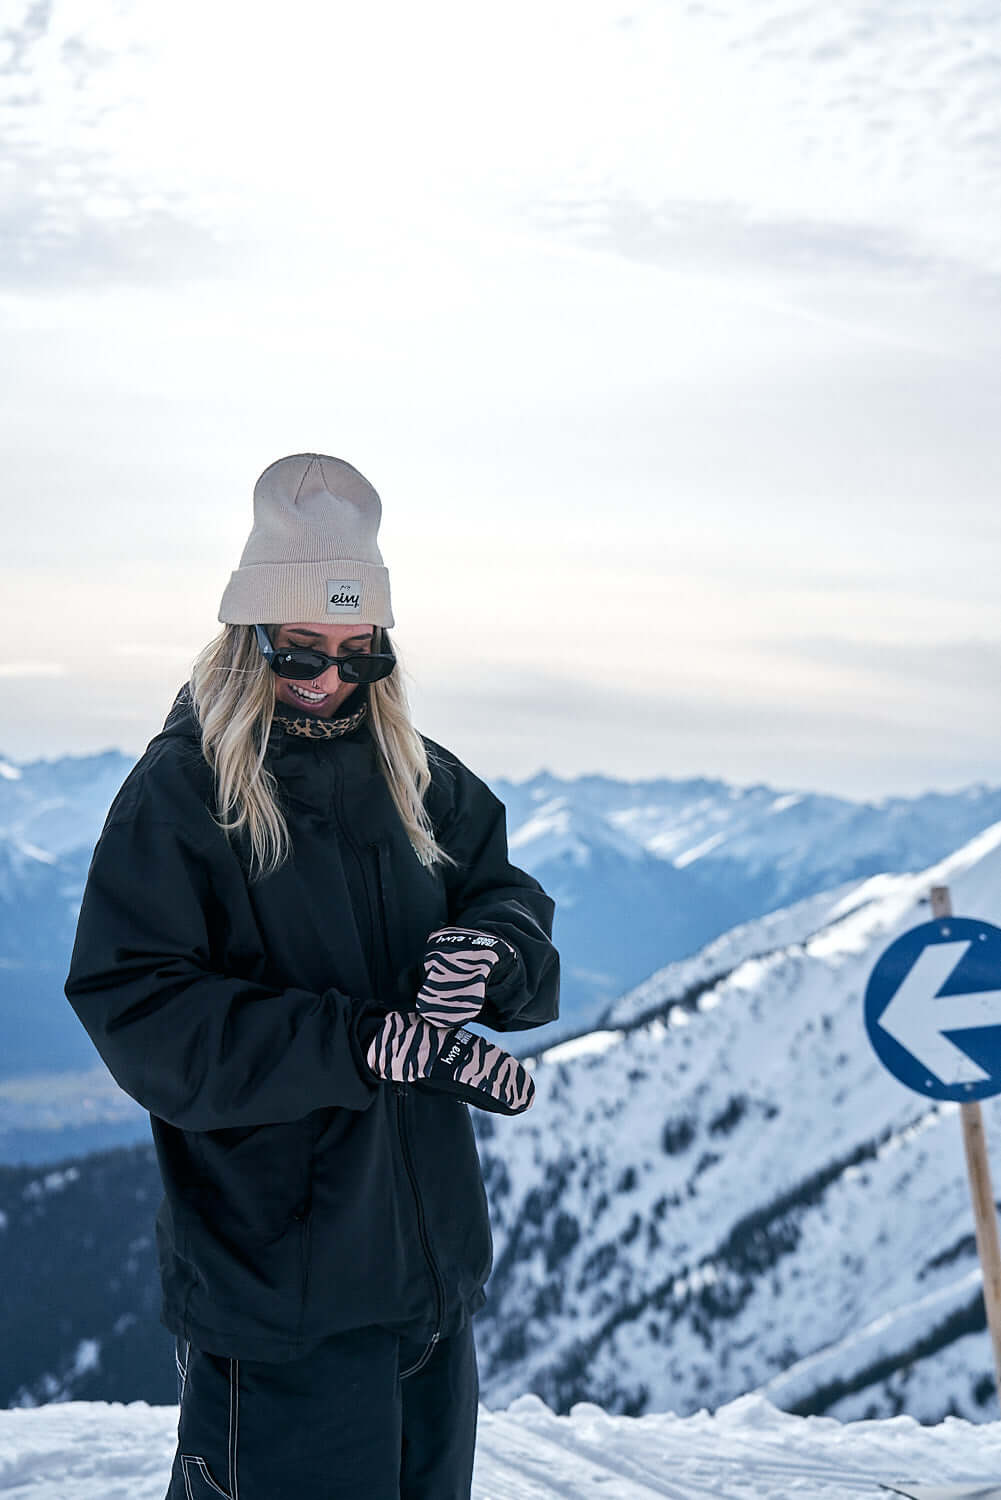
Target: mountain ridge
[642, 873]
[730, 1193]
[723, 1194]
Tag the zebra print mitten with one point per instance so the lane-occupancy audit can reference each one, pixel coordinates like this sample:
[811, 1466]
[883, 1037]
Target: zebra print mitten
[409, 1049]
[459, 963]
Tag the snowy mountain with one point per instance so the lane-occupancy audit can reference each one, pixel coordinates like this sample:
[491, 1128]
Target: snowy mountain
[642, 873]
[747, 1450]
[77, 1241]
[52, 807]
[724, 1191]
[51, 813]
[793, 838]
[720, 1191]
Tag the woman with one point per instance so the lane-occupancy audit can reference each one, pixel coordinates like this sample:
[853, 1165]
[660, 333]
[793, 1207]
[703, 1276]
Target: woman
[294, 905]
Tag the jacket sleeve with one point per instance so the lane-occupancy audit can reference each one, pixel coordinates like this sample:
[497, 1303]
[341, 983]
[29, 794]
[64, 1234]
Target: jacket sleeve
[486, 891]
[197, 1047]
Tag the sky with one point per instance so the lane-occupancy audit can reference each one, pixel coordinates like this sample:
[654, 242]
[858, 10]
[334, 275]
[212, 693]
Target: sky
[667, 332]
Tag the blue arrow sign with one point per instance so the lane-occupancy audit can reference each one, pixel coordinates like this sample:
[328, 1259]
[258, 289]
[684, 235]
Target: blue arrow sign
[933, 1009]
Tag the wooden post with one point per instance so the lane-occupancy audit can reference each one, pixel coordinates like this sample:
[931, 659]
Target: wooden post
[978, 1169]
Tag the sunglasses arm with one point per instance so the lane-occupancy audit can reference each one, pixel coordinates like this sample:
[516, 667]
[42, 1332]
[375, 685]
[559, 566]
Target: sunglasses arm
[267, 650]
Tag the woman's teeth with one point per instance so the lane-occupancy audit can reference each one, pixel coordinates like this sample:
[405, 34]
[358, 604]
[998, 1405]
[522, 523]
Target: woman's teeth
[306, 695]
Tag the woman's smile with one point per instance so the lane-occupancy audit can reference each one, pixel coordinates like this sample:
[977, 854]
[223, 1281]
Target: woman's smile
[333, 640]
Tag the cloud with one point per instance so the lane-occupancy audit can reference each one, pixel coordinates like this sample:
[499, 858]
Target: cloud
[731, 438]
[953, 668]
[159, 652]
[66, 234]
[70, 213]
[853, 744]
[729, 237]
[803, 137]
[32, 669]
[141, 145]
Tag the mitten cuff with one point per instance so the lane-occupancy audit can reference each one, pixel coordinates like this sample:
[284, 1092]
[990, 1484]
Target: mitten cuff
[360, 1036]
[509, 969]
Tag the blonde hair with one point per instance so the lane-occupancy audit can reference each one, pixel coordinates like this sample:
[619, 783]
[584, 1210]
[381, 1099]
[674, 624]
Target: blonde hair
[233, 696]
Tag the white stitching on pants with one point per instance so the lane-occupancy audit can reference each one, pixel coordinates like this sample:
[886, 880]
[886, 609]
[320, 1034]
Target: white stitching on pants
[234, 1424]
[203, 1469]
[419, 1365]
[183, 1370]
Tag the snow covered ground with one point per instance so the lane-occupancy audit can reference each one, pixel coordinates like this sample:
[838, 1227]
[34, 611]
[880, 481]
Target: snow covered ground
[748, 1450]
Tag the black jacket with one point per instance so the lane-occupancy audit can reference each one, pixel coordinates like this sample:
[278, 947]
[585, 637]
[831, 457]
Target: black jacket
[302, 1195]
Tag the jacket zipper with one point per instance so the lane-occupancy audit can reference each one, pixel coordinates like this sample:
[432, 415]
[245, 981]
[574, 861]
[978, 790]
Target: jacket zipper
[401, 1120]
[305, 1228]
[342, 824]
[398, 1088]
[439, 1290]
[382, 895]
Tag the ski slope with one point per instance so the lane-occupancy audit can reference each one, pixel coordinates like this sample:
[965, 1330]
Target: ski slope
[747, 1450]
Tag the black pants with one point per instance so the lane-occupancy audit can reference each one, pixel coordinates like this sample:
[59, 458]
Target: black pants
[347, 1422]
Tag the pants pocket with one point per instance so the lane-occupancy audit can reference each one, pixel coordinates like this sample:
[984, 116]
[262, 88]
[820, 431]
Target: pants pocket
[198, 1482]
[208, 1428]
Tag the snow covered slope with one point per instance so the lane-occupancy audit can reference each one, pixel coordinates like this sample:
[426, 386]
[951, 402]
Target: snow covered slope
[51, 813]
[794, 838]
[748, 1451]
[648, 871]
[54, 806]
[724, 1190]
[642, 873]
[720, 1191]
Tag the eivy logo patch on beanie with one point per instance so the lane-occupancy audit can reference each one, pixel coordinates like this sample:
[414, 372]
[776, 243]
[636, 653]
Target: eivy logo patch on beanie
[312, 551]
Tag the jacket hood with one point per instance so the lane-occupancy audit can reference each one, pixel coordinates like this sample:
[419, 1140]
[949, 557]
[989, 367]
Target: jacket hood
[181, 719]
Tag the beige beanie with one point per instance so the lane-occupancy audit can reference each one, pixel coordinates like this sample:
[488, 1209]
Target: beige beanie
[312, 552]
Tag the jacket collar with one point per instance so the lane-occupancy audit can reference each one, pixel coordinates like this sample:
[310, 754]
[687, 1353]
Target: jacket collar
[312, 727]
[287, 723]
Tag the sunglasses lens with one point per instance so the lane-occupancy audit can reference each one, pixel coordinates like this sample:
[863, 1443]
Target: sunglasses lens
[301, 665]
[366, 669]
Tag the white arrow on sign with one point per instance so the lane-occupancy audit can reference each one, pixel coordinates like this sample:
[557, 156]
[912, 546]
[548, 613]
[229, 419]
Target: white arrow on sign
[917, 1018]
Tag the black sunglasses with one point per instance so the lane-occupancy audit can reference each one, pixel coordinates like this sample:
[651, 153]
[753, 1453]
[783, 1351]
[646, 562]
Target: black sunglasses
[303, 663]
